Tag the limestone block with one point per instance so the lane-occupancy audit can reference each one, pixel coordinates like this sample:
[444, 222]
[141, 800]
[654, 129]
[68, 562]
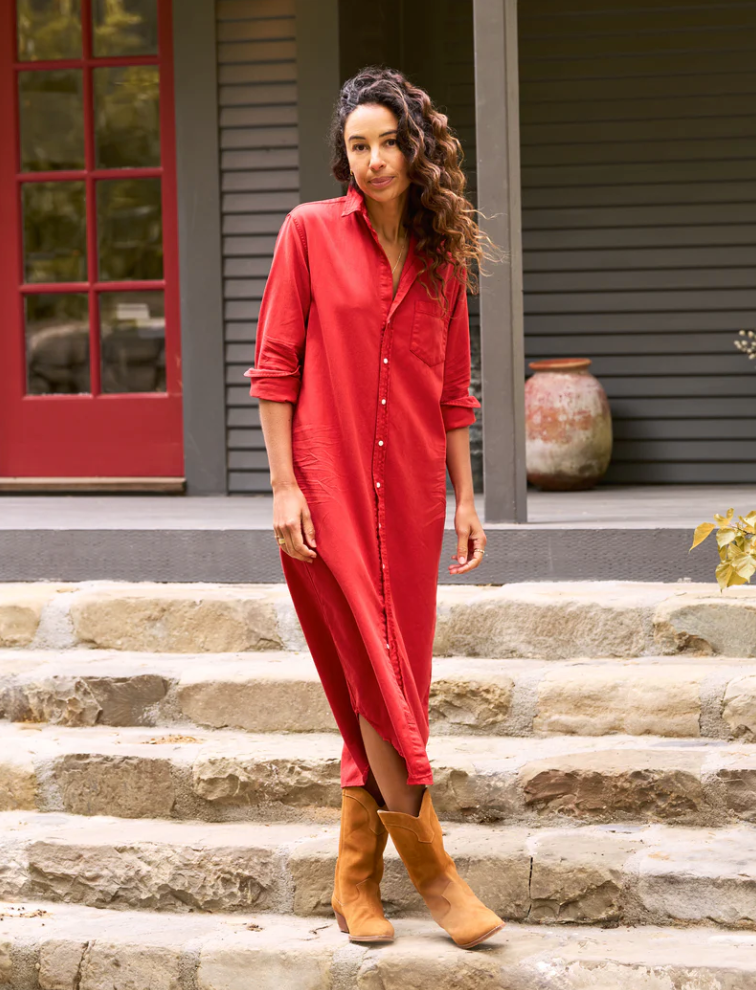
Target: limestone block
[578, 877]
[117, 966]
[60, 963]
[18, 784]
[175, 620]
[276, 964]
[153, 876]
[739, 707]
[474, 702]
[617, 784]
[696, 876]
[240, 779]
[20, 611]
[707, 626]
[237, 700]
[738, 785]
[98, 700]
[636, 700]
[126, 786]
[527, 622]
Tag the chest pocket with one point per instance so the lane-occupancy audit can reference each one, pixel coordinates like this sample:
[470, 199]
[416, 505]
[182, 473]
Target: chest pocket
[429, 329]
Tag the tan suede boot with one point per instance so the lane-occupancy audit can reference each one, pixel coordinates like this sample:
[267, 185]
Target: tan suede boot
[356, 899]
[451, 902]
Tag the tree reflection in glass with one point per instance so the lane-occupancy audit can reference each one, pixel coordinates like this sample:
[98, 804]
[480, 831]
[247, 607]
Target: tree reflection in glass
[48, 29]
[130, 229]
[52, 120]
[55, 232]
[127, 116]
[124, 27]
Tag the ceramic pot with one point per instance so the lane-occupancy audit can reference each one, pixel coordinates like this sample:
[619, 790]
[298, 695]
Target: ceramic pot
[568, 426]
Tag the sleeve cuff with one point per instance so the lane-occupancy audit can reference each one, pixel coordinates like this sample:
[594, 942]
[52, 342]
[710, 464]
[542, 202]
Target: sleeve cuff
[279, 386]
[459, 412]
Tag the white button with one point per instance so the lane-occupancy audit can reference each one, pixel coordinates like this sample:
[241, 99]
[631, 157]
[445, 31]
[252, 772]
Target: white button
[379, 525]
[383, 401]
[385, 360]
[388, 646]
[380, 443]
[383, 566]
[377, 484]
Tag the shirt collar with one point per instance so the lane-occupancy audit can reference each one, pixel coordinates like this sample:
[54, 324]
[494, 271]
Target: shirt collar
[354, 200]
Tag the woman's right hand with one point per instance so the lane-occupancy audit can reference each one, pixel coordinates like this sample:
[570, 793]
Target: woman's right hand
[293, 522]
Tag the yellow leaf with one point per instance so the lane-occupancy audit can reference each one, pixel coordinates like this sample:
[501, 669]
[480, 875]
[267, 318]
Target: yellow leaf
[726, 535]
[701, 533]
[751, 518]
[727, 575]
[744, 564]
[724, 520]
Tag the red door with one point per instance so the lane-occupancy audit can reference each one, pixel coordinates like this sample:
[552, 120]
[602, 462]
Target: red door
[90, 374]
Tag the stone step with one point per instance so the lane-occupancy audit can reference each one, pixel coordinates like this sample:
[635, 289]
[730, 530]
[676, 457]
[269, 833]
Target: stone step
[278, 691]
[223, 775]
[593, 874]
[544, 620]
[70, 947]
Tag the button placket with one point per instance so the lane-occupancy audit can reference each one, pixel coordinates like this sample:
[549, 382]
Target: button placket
[379, 452]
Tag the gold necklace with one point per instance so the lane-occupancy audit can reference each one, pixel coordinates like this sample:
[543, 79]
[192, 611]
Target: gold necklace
[399, 258]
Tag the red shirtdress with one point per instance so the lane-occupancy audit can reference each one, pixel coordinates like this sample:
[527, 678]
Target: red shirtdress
[376, 382]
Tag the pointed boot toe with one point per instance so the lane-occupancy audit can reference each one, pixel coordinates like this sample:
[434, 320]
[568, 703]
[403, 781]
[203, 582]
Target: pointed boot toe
[450, 900]
[356, 899]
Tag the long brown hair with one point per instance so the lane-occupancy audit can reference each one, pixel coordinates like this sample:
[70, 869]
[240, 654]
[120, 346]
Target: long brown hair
[439, 212]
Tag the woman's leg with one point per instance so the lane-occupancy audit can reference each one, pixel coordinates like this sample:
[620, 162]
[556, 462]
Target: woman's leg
[389, 771]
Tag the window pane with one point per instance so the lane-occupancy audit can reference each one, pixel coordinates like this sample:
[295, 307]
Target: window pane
[125, 27]
[57, 344]
[52, 115]
[129, 229]
[132, 328]
[55, 232]
[127, 116]
[48, 29]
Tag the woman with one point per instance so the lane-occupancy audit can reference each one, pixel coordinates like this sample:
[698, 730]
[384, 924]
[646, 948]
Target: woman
[362, 369]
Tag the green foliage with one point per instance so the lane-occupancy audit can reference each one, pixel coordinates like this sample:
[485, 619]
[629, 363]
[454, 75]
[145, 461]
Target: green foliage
[737, 547]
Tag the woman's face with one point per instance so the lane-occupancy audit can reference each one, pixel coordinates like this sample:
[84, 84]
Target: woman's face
[380, 168]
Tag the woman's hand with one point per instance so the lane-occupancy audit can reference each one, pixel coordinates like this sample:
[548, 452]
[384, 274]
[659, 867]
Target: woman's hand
[292, 520]
[469, 536]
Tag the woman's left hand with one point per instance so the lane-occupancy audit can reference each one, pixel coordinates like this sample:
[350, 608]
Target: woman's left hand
[470, 536]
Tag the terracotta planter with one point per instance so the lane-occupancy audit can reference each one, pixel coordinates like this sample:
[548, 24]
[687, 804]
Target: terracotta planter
[568, 426]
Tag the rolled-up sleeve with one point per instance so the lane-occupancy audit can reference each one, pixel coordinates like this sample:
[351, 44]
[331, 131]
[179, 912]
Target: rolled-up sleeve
[282, 323]
[457, 406]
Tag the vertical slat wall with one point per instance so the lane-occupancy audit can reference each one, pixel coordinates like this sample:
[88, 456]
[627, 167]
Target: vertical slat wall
[639, 221]
[260, 184]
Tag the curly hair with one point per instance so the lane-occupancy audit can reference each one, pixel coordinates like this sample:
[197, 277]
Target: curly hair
[438, 211]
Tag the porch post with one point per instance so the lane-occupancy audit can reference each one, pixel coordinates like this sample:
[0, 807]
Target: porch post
[200, 261]
[501, 317]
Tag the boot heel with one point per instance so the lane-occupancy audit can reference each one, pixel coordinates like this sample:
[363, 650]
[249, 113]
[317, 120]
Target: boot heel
[342, 921]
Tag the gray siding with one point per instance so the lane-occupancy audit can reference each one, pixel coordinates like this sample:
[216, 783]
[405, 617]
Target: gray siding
[260, 184]
[638, 137]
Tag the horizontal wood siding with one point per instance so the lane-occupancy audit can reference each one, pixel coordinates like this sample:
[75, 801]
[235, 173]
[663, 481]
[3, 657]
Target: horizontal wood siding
[260, 184]
[638, 133]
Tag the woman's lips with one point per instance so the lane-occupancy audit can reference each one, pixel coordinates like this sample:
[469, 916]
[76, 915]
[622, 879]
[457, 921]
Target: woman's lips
[380, 183]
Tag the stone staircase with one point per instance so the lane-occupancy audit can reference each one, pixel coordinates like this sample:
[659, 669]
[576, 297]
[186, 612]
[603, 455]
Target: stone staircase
[169, 791]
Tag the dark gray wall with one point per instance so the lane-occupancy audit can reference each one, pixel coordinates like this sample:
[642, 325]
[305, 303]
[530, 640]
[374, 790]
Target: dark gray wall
[639, 221]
